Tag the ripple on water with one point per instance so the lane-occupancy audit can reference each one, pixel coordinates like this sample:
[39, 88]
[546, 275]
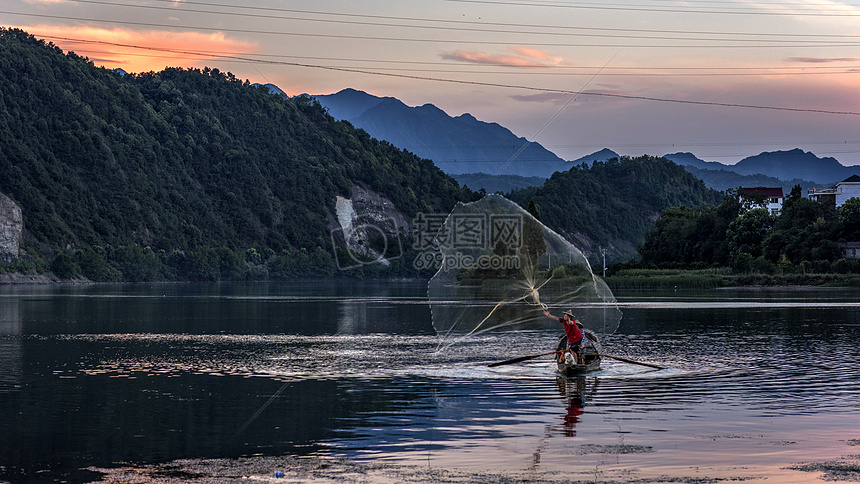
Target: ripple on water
[763, 371]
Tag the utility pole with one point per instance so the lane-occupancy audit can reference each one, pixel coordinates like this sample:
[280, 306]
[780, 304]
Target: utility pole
[603, 251]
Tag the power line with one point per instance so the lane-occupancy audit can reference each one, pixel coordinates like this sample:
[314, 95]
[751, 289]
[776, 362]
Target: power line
[619, 7]
[543, 70]
[526, 144]
[542, 29]
[747, 45]
[513, 86]
[228, 57]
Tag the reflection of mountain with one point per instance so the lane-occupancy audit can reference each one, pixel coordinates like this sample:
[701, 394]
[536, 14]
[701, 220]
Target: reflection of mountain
[11, 354]
[353, 317]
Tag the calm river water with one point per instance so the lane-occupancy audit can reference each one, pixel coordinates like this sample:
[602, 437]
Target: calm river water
[761, 385]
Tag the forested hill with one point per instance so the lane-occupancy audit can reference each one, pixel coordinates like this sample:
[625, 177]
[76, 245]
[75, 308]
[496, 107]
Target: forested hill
[612, 204]
[181, 159]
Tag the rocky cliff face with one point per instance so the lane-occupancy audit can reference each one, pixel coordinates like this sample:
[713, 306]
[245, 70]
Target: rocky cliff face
[368, 224]
[11, 228]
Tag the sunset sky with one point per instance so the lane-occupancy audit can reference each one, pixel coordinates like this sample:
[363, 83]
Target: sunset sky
[723, 79]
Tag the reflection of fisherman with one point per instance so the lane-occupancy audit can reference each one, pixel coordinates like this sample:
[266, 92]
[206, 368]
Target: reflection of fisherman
[575, 397]
[571, 329]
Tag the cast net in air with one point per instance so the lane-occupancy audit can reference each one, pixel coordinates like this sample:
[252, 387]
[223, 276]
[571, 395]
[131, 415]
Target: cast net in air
[501, 268]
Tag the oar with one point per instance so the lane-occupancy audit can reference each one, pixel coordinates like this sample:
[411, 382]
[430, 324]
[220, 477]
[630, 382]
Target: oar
[521, 358]
[631, 361]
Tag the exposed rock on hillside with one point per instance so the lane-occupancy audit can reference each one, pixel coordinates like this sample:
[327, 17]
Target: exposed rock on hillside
[11, 228]
[368, 224]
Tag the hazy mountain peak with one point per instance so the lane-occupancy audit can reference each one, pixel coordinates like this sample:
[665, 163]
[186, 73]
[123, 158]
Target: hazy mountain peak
[275, 89]
[601, 155]
[689, 159]
[461, 144]
[795, 163]
[350, 103]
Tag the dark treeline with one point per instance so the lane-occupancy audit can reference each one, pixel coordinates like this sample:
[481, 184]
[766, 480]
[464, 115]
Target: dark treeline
[132, 263]
[803, 237]
[160, 175]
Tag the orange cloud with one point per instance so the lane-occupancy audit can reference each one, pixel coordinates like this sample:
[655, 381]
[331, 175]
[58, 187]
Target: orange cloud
[519, 57]
[141, 50]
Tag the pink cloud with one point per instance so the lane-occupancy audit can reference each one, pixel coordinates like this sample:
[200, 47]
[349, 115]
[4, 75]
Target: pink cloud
[538, 54]
[519, 57]
[141, 51]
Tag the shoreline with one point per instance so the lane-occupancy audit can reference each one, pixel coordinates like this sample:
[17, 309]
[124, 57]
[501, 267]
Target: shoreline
[12, 278]
[657, 279]
[681, 279]
[333, 469]
[18, 278]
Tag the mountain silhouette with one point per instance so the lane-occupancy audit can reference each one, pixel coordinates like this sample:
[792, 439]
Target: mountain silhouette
[789, 166]
[456, 144]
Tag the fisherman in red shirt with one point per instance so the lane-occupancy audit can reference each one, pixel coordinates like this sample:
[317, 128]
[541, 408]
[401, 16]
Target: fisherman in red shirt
[571, 329]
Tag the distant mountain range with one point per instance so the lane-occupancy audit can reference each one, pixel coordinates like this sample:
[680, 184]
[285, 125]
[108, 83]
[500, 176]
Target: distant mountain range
[721, 177]
[498, 183]
[476, 152]
[457, 145]
[792, 165]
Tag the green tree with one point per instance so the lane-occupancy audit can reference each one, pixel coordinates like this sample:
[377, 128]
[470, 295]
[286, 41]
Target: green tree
[95, 266]
[533, 245]
[804, 230]
[742, 263]
[64, 265]
[849, 220]
[669, 244]
[533, 210]
[747, 232]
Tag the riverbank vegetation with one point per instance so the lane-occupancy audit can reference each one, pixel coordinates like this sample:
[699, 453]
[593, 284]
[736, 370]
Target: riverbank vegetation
[619, 278]
[740, 243]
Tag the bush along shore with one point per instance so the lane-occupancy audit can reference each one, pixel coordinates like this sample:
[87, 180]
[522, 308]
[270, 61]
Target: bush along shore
[207, 264]
[725, 277]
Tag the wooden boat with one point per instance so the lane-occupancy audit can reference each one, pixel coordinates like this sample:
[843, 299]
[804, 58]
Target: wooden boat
[590, 355]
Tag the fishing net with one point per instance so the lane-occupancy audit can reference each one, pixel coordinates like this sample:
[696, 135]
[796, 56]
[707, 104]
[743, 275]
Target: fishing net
[501, 268]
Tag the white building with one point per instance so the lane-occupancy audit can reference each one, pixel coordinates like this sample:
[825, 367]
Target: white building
[836, 196]
[850, 250]
[773, 197]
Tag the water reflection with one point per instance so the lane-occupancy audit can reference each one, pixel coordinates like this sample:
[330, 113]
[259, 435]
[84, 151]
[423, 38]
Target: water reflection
[353, 317]
[573, 391]
[142, 373]
[11, 353]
